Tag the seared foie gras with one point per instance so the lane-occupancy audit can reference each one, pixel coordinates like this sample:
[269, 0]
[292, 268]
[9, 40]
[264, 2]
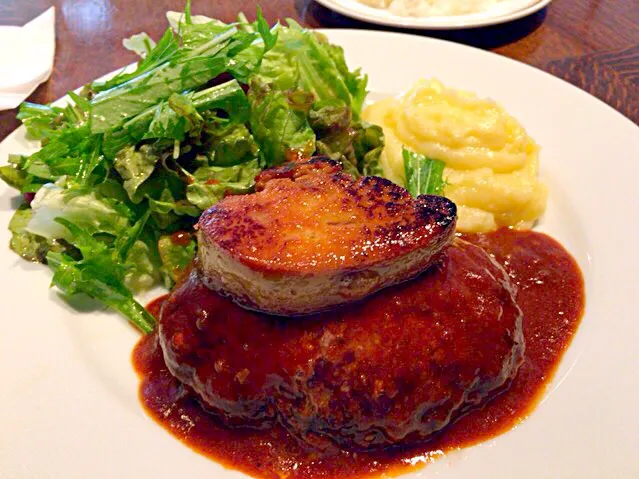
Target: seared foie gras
[313, 237]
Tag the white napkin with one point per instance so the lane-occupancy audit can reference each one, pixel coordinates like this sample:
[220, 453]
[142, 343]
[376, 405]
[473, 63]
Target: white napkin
[26, 59]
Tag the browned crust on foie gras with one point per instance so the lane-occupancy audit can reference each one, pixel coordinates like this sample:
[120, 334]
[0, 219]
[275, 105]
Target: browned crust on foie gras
[313, 237]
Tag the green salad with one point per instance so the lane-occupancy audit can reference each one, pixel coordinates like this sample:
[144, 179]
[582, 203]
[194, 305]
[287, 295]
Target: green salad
[132, 161]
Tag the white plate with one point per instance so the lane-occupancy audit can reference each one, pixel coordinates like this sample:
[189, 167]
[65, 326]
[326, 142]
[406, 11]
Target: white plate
[506, 11]
[69, 406]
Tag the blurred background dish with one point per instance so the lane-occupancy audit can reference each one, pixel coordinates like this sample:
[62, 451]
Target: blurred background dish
[435, 14]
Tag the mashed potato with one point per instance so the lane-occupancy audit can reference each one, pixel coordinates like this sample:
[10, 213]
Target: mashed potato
[491, 162]
[427, 8]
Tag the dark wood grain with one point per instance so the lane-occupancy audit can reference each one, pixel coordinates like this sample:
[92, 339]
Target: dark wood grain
[611, 76]
[593, 44]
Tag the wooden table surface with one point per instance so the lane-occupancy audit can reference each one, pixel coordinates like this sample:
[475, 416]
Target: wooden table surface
[593, 44]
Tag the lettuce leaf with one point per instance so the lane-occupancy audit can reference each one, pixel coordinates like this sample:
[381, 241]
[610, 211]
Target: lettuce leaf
[86, 208]
[170, 214]
[210, 184]
[304, 59]
[28, 245]
[305, 100]
[167, 205]
[164, 184]
[176, 256]
[228, 143]
[368, 144]
[357, 144]
[279, 122]
[142, 267]
[135, 166]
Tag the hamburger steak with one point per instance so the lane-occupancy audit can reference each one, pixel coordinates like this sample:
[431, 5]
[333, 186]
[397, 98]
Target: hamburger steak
[313, 237]
[392, 369]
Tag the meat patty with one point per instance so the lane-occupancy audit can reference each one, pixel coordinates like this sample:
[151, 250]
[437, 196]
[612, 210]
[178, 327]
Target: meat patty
[313, 237]
[392, 369]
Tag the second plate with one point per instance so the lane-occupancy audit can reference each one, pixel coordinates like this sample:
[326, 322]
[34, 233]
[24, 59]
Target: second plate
[507, 11]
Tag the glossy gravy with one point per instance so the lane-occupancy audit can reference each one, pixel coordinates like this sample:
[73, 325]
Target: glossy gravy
[551, 296]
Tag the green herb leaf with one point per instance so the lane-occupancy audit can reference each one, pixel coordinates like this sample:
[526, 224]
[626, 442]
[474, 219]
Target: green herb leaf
[89, 277]
[269, 37]
[13, 176]
[166, 48]
[42, 121]
[99, 274]
[424, 176]
[186, 70]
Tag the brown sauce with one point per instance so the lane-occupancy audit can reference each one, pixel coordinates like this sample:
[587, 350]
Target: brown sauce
[155, 306]
[551, 295]
[181, 238]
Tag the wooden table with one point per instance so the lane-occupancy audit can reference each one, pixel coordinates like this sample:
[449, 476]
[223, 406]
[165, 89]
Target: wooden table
[593, 44]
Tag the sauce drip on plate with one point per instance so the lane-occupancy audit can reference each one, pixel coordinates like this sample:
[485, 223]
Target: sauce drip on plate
[551, 296]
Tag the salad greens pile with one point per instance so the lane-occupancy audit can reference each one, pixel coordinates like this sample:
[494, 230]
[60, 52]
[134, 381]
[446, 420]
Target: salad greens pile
[133, 160]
